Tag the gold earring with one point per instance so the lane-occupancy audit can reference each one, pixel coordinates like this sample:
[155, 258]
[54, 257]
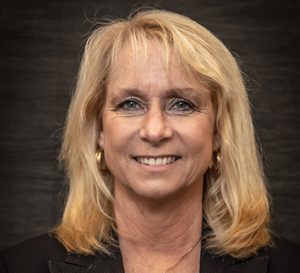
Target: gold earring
[98, 156]
[218, 157]
[100, 160]
[215, 162]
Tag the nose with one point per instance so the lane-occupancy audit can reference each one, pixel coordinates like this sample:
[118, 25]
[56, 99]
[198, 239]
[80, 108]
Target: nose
[155, 128]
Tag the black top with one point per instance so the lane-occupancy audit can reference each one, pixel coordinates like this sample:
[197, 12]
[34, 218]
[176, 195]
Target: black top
[45, 254]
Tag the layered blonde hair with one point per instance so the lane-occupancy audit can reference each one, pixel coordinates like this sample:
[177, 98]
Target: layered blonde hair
[235, 199]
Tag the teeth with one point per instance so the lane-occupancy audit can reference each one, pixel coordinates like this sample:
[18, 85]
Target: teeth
[156, 161]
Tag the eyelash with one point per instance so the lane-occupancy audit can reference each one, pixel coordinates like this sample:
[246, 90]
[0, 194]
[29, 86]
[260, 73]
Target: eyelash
[172, 105]
[189, 104]
[122, 105]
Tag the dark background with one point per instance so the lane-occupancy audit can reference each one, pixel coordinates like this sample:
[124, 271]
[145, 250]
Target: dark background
[40, 48]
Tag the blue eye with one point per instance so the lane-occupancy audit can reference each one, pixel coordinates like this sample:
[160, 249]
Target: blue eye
[182, 105]
[129, 105]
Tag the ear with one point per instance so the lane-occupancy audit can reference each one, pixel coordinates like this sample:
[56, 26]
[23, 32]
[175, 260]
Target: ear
[101, 139]
[216, 142]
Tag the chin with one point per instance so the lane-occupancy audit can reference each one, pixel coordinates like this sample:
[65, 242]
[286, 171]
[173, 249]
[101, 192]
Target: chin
[158, 193]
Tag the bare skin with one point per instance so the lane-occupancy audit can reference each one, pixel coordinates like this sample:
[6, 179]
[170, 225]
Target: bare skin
[162, 238]
[158, 139]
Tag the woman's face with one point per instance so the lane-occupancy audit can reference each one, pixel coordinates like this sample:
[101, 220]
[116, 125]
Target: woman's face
[158, 127]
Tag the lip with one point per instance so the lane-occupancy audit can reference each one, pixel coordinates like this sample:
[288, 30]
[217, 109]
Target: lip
[156, 161]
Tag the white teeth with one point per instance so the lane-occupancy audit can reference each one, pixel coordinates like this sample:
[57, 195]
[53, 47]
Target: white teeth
[164, 161]
[156, 161]
[151, 161]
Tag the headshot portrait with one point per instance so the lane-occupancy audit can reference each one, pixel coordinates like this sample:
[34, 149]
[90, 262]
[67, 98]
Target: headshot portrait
[155, 137]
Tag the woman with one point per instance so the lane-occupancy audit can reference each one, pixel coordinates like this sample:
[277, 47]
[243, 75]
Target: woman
[160, 153]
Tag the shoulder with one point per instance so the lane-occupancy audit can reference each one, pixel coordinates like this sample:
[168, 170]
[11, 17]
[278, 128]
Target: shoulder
[32, 255]
[284, 256]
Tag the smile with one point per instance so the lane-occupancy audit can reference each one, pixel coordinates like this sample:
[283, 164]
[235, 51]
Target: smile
[156, 161]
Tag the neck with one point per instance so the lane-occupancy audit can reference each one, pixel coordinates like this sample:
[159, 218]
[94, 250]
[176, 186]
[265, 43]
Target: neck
[166, 230]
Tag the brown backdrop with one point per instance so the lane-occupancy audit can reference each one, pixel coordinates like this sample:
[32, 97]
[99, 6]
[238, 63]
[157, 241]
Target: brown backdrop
[40, 48]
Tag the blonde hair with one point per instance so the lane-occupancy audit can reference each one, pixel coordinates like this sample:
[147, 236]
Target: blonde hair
[235, 199]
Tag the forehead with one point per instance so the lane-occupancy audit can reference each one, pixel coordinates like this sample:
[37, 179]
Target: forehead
[139, 64]
[144, 54]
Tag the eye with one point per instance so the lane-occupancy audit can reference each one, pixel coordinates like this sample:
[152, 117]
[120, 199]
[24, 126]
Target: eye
[181, 105]
[130, 105]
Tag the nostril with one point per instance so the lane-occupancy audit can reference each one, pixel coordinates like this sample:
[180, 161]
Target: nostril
[155, 128]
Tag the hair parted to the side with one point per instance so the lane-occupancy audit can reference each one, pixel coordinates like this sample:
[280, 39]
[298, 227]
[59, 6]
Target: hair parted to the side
[235, 199]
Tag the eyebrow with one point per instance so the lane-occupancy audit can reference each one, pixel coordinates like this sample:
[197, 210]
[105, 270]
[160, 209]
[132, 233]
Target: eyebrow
[188, 91]
[125, 92]
[169, 93]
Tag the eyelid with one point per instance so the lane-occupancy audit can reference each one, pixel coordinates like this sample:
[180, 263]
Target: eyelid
[179, 99]
[126, 100]
[170, 105]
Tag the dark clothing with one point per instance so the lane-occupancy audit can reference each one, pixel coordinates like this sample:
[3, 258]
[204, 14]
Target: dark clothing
[45, 254]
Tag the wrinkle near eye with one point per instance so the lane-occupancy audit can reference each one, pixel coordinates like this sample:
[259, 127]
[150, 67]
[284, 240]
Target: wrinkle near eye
[129, 102]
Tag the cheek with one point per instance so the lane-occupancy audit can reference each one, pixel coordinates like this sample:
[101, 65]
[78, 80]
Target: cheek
[117, 134]
[197, 133]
